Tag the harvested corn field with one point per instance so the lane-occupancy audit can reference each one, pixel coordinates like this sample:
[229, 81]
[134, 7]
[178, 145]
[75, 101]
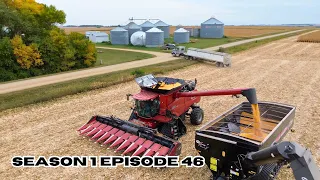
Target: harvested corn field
[284, 71]
[313, 37]
[248, 31]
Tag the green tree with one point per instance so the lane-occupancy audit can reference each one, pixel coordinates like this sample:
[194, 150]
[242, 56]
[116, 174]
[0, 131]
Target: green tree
[32, 44]
[85, 51]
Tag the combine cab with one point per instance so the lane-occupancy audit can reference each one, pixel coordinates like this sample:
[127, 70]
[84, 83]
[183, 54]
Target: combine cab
[158, 118]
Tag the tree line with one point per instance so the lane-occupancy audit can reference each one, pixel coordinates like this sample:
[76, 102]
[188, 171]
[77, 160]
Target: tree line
[31, 44]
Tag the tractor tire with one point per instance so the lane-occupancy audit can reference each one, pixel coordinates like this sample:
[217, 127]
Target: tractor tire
[196, 116]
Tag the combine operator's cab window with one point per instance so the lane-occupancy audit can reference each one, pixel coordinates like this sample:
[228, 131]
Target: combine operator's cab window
[147, 109]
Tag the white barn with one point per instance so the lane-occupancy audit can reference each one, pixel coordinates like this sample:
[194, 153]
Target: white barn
[98, 37]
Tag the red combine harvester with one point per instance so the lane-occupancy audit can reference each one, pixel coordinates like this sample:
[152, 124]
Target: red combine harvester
[161, 106]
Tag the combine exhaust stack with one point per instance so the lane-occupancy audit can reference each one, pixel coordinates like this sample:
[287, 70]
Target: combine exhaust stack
[128, 137]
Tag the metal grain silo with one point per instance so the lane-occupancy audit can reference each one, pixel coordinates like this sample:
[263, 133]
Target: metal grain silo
[146, 26]
[212, 28]
[196, 32]
[181, 36]
[179, 26]
[190, 29]
[164, 27]
[119, 36]
[154, 37]
[132, 28]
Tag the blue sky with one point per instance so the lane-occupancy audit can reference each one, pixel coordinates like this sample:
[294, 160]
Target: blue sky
[190, 12]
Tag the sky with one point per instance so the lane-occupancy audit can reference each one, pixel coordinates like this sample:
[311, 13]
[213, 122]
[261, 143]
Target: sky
[189, 12]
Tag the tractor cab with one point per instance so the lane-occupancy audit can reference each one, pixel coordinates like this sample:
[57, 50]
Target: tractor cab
[178, 51]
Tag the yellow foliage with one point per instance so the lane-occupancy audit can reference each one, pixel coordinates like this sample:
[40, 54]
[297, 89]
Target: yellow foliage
[91, 55]
[27, 56]
[26, 5]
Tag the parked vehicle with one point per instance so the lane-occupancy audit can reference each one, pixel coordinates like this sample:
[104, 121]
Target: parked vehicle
[168, 46]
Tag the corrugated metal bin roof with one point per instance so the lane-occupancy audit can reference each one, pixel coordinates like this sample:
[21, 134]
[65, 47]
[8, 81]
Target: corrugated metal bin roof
[213, 21]
[161, 23]
[147, 24]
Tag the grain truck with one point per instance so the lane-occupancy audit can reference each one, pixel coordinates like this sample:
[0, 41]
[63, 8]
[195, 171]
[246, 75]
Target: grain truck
[221, 59]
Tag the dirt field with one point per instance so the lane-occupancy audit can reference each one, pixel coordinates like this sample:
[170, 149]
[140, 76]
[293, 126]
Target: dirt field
[230, 31]
[311, 37]
[284, 71]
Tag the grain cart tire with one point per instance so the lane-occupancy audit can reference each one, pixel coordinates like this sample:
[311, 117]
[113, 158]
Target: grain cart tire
[196, 116]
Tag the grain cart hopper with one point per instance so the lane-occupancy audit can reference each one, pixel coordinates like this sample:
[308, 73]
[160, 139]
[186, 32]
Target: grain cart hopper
[221, 59]
[224, 142]
[157, 119]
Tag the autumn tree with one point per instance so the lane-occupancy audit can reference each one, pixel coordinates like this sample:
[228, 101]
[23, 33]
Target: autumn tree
[31, 44]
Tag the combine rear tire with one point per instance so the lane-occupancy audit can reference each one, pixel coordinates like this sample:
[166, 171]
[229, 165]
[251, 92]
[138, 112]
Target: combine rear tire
[196, 116]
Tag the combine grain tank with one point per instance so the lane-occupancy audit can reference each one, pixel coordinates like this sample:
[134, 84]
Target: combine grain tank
[181, 36]
[164, 27]
[132, 28]
[138, 38]
[224, 141]
[147, 26]
[154, 38]
[119, 36]
[221, 59]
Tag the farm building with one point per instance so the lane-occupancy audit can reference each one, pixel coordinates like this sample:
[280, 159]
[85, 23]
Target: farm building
[146, 26]
[119, 36]
[164, 27]
[181, 36]
[212, 28]
[132, 28]
[154, 37]
[138, 38]
[88, 33]
[99, 37]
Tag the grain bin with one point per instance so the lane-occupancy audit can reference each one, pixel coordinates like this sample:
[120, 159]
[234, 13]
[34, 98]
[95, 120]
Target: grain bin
[138, 38]
[196, 32]
[164, 27]
[132, 28]
[119, 36]
[212, 28]
[154, 37]
[190, 29]
[179, 26]
[146, 26]
[181, 36]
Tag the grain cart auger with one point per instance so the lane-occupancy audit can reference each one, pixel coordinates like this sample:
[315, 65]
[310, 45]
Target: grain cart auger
[161, 106]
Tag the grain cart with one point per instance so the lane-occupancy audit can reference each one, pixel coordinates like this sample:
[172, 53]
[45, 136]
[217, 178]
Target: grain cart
[221, 59]
[157, 119]
[231, 154]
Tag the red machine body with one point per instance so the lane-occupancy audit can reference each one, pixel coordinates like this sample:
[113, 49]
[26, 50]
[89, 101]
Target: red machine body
[161, 106]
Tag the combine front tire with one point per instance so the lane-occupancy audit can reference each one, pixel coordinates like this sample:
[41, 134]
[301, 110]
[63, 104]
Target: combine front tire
[196, 116]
